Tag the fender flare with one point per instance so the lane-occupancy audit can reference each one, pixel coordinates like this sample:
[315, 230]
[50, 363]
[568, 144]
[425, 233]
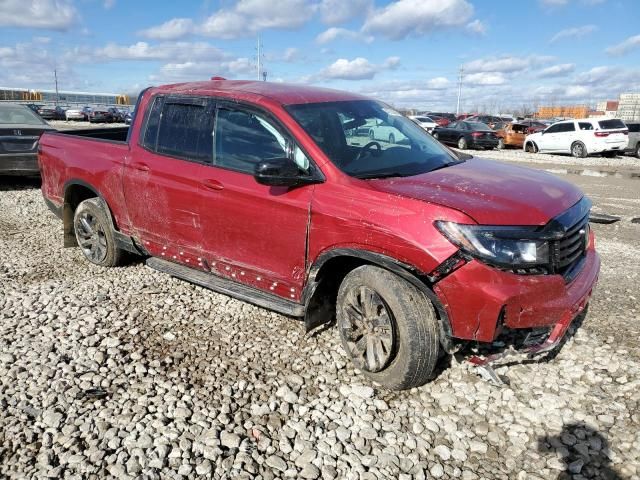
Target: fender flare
[404, 270]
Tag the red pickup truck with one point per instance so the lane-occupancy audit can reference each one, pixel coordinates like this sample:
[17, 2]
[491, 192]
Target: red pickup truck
[274, 194]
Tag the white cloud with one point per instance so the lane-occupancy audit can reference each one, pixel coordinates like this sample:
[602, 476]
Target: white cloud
[248, 17]
[197, 70]
[624, 47]
[169, 30]
[485, 78]
[477, 27]
[335, 33]
[596, 75]
[438, 83]
[141, 51]
[109, 4]
[334, 12]
[577, 91]
[291, 54]
[554, 3]
[556, 70]
[404, 18]
[505, 63]
[575, 32]
[46, 14]
[357, 69]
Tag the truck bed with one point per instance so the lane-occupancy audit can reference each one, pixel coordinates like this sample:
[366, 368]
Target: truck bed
[116, 134]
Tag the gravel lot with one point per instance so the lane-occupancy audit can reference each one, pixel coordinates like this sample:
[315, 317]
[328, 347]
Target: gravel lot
[129, 373]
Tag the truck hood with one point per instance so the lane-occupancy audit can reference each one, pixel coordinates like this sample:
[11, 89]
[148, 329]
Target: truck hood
[492, 193]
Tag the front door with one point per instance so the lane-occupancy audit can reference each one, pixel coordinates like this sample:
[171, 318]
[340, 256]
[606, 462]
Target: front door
[252, 233]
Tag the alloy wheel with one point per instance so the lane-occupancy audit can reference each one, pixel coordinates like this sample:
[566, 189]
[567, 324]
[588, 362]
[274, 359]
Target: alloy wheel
[368, 329]
[91, 237]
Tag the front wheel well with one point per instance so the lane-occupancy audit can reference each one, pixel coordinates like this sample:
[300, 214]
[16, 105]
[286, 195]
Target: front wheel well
[325, 279]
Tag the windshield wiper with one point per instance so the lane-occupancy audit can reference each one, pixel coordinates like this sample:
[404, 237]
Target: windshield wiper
[445, 165]
[369, 176]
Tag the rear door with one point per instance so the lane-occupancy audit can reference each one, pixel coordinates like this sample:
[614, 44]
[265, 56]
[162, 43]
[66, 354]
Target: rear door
[566, 136]
[163, 176]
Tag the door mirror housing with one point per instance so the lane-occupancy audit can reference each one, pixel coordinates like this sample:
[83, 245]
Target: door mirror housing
[282, 172]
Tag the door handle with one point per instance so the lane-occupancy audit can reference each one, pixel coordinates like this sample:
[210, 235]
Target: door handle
[143, 167]
[212, 184]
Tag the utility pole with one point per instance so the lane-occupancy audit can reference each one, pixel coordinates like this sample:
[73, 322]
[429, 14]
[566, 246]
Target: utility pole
[262, 73]
[55, 75]
[459, 90]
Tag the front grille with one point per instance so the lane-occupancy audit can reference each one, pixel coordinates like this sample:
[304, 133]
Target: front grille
[571, 247]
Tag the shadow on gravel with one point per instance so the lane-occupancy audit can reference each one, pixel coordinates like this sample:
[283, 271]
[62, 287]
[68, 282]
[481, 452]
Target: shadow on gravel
[582, 450]
[8, 183]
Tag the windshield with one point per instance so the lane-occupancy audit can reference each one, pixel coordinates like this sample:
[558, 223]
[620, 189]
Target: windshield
[19, 115]
[367, 139]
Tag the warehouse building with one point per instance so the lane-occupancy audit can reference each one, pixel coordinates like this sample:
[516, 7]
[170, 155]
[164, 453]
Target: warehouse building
[629, 107]
[62, 97]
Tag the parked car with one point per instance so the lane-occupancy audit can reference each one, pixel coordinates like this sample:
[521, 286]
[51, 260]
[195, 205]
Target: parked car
[20, 130]
[634, 138]
[117, 114]
[379, 129]
[413, 248]
[35, 107]
[581, 137]
[449, 116]
[78, 113]
[52, 113]
[464, 116]
[128, 117]
[440, 121]
[490, 120]
[425, 122]
[511, 135]
[100, 115]
[534, 125]
[465, 134]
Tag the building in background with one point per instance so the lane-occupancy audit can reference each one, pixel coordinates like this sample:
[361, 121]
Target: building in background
[563, 111]
[62, 97]
[609, 108]
[629, 107]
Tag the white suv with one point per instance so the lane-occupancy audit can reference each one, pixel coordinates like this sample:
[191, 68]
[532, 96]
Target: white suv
[581, 137]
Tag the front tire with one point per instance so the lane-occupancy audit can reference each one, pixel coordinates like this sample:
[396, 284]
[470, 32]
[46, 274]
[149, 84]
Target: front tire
[94, 233]
[578, 150]
[462, 143]
[388, 327]
[392, 139]
[531, 147]
[501, 144]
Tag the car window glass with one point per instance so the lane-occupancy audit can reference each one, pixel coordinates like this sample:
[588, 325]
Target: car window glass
[18, 114]
[553, 129]
[244, 139]
[151, 131]
[585, 126]
[611, 124]
[567, 127]
[456, 125]
[634, 127]
[185, 131]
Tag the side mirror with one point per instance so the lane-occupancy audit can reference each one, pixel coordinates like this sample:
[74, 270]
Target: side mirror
[281, 172]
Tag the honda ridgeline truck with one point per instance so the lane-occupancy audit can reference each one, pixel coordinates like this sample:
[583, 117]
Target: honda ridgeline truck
[275, 194]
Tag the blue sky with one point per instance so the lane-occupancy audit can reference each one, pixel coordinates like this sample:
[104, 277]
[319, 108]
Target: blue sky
[405, 52]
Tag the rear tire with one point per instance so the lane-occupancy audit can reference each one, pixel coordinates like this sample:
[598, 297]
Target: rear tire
[578, 150]
[638, 150]
[388, 327]
[94, 233]
[462, 143]
[392, 138]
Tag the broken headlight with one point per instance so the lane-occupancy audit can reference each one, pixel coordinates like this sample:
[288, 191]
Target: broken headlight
[499, 246]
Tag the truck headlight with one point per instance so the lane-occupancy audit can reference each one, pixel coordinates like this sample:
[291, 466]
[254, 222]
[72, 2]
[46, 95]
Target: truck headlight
[500, 246]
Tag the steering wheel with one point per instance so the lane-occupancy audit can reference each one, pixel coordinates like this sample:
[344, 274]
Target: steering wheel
[366, 148]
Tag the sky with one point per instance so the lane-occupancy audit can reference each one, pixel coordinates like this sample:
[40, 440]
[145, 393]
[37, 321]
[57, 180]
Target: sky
[408, 53]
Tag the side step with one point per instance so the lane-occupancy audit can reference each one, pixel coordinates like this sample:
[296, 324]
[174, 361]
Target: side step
[228, 287]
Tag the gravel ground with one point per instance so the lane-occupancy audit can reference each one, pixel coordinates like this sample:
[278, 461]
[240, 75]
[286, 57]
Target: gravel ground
[129, 373]
[520, 156]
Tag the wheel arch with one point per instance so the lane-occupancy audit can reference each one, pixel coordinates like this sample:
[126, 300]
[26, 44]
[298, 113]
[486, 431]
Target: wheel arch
[330, 268]
[75, 192]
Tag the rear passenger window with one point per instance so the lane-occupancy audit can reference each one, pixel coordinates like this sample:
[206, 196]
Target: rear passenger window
[186, 130]
[244, 139]
[585, 126]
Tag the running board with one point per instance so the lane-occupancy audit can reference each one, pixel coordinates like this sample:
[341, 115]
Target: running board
[228, 287]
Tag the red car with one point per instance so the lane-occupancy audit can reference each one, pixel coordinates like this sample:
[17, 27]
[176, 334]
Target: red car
[265, 192]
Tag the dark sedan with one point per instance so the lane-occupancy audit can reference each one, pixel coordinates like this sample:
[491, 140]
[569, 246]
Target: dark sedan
[52, 113]
[100, 115]
[20, 130]
[467, 135]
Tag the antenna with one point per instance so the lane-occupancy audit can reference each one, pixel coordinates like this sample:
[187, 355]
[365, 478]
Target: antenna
[262, 74]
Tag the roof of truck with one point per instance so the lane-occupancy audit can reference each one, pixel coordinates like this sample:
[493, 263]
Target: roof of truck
[284, 93]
